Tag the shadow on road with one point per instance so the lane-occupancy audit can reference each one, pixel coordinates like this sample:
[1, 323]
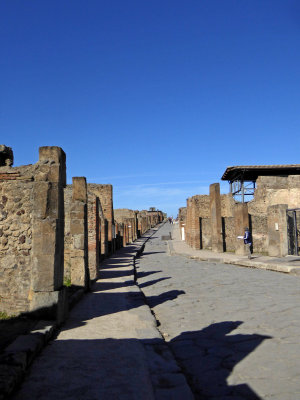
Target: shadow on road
[153, 282]
[209, 356]
[91, 368]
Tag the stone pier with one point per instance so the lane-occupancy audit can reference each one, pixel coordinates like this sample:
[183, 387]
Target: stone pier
[241, 221]
[277, 230]
[215, 218]
[79, 233]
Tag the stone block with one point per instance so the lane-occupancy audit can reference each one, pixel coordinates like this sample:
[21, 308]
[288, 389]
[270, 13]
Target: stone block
[58, 156]
[43, 273]
[78, 241]
[76, 227]
[56, 302]
[241, 221]
[79, 189]
[215, 218]
[40, 199]
[277, 230]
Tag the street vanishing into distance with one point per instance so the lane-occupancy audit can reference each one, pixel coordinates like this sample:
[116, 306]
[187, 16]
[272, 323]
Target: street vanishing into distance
[170, 327]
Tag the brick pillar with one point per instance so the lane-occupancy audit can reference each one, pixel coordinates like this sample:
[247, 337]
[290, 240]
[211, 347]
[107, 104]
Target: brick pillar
[277, 230]
[48, 234]
[241, 221]
[215, 218]
[79, 233]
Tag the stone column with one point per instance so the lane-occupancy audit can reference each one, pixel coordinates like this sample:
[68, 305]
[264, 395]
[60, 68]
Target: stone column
[277, 230]
[48, 233]
[93, 235]
[79, 233]
[215, 218]
[241, 221]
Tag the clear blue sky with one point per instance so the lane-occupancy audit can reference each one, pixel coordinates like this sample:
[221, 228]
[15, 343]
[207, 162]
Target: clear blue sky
[156, 97]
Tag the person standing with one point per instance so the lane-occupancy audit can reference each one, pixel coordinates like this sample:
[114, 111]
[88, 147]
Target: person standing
[248, 241]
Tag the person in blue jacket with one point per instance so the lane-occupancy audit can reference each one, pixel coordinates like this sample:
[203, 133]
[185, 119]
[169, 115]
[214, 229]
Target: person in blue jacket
[248, 241]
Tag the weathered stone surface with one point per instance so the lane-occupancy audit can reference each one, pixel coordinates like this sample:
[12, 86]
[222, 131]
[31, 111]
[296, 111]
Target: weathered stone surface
[277, 230]
[241, 221]
[79, 273]
[234, 333]
[31, 222]
[215, 218]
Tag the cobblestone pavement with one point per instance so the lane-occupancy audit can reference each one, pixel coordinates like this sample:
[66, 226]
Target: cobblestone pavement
[234, 331]
[109, 348]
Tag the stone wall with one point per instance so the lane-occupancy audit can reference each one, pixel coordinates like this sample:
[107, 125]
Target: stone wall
[155, 217]
[259, 227]
[270, 191]
[129, 219]
[105, 194]
[144, 222]
[50, 231]
[197, 207]
[228, 234]
[16, 258]
[205, 233]
[32, 230]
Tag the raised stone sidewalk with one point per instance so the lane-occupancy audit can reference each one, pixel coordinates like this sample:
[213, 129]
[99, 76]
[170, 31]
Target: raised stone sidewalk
[289, 264]
[109, 348]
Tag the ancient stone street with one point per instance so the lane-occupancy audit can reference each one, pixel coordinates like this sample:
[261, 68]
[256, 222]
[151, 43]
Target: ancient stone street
[233, 330]
[222, 332]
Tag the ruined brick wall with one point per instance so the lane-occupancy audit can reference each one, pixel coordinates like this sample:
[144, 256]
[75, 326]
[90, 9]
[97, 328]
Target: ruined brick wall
[97, 237]
[197, 221]
[16, 208]
[155, 217]
[227, 205]
[228, 233]
[31, 229]
[271, 190]
[197, 207]
[105, 194]
[130, 219]
[143, 222]
[259, 228]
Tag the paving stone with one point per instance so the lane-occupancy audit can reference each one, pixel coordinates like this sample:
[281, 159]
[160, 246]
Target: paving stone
[233, 330]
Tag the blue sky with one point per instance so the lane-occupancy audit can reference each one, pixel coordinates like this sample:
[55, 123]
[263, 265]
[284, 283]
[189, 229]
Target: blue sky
[154, 97]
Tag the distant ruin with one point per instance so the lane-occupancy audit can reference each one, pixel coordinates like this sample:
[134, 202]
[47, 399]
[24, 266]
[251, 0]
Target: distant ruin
[273, 214]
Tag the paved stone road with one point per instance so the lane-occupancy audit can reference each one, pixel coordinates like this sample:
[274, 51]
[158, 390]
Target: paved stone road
[234, 331]
[109, 348]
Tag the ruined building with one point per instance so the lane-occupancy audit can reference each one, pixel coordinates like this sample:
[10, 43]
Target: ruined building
[52, 233]
[264, 198]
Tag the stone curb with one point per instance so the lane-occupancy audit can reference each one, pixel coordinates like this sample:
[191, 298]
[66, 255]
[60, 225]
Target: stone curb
[17, 357]
[287, 269]
[168, 379]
